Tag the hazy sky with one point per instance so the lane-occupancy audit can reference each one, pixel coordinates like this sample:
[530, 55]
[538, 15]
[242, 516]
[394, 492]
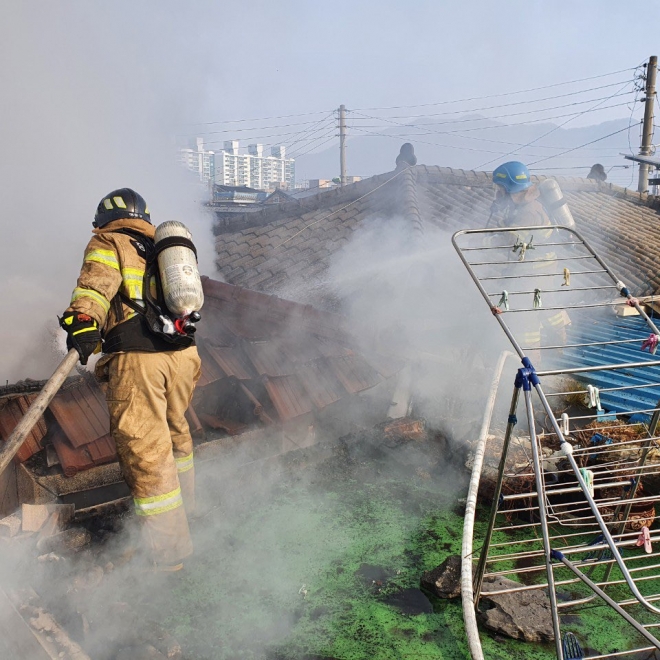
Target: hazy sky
[94, 93]
[273, 58]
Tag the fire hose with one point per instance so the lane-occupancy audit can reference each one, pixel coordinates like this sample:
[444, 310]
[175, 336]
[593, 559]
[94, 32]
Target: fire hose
[37, 409]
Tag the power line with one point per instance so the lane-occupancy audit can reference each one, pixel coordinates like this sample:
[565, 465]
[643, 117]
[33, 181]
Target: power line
[509, 114]
[236, 121]
[251, 128]
[490, 96]
[508, 105]
[307, 133]
[399, 136]
[304, 153]
[568, 151]
[556, 128]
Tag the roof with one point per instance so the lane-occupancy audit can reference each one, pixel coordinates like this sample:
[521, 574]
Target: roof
[632, 329]
[263, 359]
[295, 242]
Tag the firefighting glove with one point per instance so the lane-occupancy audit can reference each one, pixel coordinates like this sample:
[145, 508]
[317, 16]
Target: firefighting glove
[82, 334]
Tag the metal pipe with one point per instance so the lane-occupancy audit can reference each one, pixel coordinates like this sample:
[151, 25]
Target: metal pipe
[585, 491]
[530, 261]
[604, 367]
[515, 277]
[605, 389]
[483, 557]
[565, 290]
[508, 247]
[613, 604]
[475, 279]
[544, 520]
[546, 309]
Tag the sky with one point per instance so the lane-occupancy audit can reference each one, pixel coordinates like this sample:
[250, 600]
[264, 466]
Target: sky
[96, 96]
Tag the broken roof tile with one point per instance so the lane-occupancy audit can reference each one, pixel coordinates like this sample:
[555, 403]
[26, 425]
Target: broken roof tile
[288, 396]
[229, 360]
[81, 412]
[354, 372]
[74, 460]
[269, 359]
[320, 383]
[11, 412]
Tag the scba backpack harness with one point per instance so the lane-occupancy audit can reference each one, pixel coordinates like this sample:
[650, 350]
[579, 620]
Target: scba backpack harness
[154, 328]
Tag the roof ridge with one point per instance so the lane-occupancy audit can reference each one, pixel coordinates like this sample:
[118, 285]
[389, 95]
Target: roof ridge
[409, 200]
[322, 199]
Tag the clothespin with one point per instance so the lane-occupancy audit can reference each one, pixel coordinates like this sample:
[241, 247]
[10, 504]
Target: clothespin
[593, 397]
[588, 477]
[651, 342]
[565, 421]
[644, 539]
[537, 298]
[503, 304]
[567, 277]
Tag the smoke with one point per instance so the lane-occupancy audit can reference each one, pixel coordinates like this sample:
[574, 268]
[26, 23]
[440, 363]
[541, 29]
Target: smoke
[93, 95]
[410, 294]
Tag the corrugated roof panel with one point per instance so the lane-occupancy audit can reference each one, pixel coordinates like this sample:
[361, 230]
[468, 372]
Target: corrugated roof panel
[82, 413]
[321, 384]
[354, 373]
[11, 412]
[646, 394]
[288, 396]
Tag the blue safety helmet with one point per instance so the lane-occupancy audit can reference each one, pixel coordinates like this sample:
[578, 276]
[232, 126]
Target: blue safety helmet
[513, 177]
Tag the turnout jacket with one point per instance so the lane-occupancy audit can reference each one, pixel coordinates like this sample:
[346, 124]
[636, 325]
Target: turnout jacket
[112, 263]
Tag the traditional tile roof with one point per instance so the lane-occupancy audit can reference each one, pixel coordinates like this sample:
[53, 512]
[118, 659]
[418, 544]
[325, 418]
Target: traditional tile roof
[294, 243]
[263, 358]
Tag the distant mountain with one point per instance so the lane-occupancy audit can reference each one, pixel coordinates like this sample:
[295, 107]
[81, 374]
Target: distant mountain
[475, 142]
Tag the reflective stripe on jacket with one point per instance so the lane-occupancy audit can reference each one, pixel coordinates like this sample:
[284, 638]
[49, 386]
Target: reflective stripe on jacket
[111, 264]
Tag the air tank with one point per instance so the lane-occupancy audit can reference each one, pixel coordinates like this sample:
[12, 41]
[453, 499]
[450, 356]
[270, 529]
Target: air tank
[555, 204]
[177, 265]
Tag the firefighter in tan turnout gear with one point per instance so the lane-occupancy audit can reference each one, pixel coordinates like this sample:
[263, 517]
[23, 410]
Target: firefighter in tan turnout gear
[150, 375]
[518, 204]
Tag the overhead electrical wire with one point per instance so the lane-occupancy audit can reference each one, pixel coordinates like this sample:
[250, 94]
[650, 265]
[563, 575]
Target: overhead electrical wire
[491, 96]
[422, 105]
[556, 128]
[307, 133]
[568, 151]
[316, 146]
[509, 114]
[515, 103]
[237, 121]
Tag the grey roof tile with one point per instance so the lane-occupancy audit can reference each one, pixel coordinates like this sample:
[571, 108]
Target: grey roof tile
[297, 241]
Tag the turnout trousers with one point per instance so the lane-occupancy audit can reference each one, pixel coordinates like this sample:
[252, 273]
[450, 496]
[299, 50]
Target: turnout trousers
[148, 395]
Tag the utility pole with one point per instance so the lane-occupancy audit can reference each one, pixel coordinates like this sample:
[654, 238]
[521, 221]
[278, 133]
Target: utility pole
[647, 133]
[342, 144]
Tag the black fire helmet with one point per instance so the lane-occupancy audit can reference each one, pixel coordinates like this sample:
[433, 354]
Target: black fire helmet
[122, 203]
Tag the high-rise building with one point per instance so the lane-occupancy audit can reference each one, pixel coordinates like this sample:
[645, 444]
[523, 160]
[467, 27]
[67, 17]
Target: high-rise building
[199, 160]
[253, 169]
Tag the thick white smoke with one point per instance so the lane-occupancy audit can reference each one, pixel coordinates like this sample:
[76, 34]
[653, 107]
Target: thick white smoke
[93, 95]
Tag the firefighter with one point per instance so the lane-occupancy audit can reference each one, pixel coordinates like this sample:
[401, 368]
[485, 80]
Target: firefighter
[518, 204]
[150, 380]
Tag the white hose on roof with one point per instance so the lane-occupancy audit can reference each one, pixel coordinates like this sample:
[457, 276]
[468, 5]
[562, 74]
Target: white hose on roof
[467, 594]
